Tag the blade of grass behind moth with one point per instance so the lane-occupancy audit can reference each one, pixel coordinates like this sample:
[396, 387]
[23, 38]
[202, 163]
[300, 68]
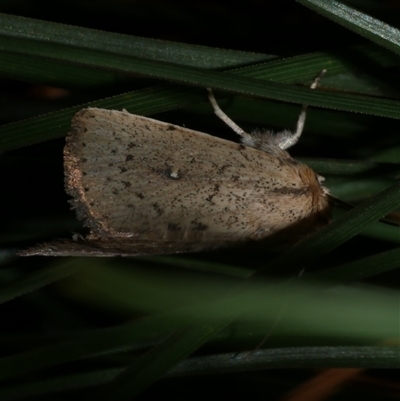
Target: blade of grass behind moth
[154, 364]
[57, 124]
[131, 336]
[111, 340]
[350, 167]
[383, 231]
[358, 22]
[361, 268]
[38, 279]
[389, 155]
[192, 264]
[36, 70]
[359, 187]
[57, 384]
[97, 342]
[357, 270]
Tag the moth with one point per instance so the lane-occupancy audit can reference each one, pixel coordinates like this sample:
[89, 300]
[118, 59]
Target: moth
[144, 186]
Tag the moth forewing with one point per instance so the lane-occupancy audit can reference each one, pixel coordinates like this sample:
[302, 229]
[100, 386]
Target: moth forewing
[135, 177]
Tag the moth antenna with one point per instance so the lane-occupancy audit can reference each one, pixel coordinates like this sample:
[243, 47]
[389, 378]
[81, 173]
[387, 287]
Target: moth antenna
[289, 139]
[220, 114]
[266, 141]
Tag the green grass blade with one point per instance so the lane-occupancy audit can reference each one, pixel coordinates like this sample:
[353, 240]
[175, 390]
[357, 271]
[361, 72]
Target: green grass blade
[363, 24]
[30, 30]
[361, 269]
[57, 124]
[38, 279]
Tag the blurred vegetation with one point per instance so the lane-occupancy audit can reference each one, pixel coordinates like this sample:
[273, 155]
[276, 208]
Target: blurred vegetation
[229, 323]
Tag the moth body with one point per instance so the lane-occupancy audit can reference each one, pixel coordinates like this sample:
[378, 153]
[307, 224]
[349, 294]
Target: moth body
[145, 186]
[134, 177]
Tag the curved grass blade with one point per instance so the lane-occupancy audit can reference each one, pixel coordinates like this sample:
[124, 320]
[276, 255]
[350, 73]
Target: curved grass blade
[37, 279]
[361, 268]
[33, 30]
[57, 124]
[358, 22]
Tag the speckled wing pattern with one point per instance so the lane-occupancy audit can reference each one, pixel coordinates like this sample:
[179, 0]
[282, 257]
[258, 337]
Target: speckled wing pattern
[135, 180]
